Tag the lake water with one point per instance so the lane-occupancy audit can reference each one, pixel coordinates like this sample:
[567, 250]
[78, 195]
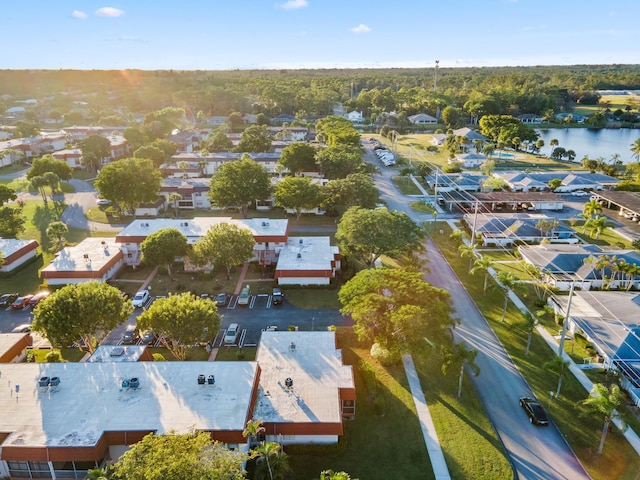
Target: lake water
[594, 143]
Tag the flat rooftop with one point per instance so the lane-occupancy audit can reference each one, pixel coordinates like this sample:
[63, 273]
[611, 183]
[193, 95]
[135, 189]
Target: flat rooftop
[90, 400]
[90, 255]
[312, 362]
[8, 340]
[117, 353]
[9, 246]
[307, 253]
[197, 227]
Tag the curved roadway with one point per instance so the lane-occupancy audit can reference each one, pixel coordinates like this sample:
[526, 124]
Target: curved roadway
[535, 452]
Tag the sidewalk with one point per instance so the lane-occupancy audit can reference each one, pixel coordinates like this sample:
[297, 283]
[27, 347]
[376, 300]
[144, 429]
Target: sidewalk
[438, 463]
[243, 273]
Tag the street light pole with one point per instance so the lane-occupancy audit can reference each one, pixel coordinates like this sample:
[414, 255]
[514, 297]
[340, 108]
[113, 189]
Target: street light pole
[435, 77]
[565, 320]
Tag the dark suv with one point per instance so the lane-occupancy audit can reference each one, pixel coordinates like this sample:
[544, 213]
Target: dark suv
[277, 296]
[131, 335]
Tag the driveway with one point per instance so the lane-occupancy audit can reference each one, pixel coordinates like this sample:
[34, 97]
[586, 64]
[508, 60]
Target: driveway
[535, 453]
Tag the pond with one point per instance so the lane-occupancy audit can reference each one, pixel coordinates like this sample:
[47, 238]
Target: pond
[603, 142]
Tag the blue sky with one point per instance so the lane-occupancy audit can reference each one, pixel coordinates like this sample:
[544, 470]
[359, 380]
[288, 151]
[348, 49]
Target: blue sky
[228, 34]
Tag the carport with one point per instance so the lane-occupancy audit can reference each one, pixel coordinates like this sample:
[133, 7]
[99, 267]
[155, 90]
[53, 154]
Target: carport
[626, 202]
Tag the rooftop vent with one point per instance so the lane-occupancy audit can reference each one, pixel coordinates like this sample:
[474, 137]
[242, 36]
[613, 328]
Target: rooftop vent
[288, 382]
[134, 383]
[43, 382]
[211, 380]
[184, 224]
[54, 382]
[299, 256]
[301, 241]
[292, 347]
[201, 379]
[144, 224]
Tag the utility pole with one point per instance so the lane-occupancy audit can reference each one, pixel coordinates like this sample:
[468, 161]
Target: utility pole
[566, 320]
[435, 77]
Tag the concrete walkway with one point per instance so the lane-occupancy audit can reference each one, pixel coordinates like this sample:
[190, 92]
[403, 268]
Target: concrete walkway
[243, 273]
[438, 463]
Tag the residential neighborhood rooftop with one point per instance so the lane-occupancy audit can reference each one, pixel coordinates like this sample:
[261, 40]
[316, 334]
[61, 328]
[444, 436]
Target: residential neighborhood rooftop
[91, 255]
[307, 253]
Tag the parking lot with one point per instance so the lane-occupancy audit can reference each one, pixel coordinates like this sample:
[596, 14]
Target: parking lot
[252, 319]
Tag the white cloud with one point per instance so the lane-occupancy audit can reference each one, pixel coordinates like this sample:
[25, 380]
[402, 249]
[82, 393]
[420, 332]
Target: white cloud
[109, 12]
[292, 4]
[362, 28]
[78, 14]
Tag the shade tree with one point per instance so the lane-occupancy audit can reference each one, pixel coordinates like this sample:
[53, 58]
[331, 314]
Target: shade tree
[298, 157]
[367, 234]
[181, 321]
[163, 247]
[297, 193]
[84, 311]
[225, 245]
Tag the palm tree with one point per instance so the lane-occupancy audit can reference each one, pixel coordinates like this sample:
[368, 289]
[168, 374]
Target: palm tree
[175, 198]
[39, 182]
[272, 460]
[539, 144]
[508, 283]
[535, 272]
[56, 232]
[457, 235]
[331, 475]
[598, 224]
[604, 401]
[459, 356]
[468, 251]
[252, 430]
[530, 324]
[482, 264]
[553, 143]
[52, 180]
[557, 365]
[591, 208]
[488, 150]
[635, 149]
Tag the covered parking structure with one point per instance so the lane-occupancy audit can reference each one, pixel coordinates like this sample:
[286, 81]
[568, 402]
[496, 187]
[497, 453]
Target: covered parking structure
[502, 201]
[628, 203]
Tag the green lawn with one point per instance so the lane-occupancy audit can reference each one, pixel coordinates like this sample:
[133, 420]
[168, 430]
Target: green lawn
[607, 238]
[229, 354]
[386, 441]
[313, 298]
[582, 431]
[68, 354]
[406, 186]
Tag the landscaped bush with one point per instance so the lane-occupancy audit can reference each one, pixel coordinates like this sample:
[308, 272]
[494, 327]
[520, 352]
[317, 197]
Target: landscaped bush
[158, 357]
[384, 356]
[53, 357]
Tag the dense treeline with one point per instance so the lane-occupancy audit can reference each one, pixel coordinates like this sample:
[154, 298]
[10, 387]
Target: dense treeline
[479, 91]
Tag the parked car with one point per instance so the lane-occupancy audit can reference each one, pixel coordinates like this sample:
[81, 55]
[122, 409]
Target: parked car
[131, 335]
[21, 302]
[245, 295]
[7, 299]
[148, 337]
[579, 193]
[102, 202]
[534, 410]
[231, 335]
[277, 296]
[222, 299]
[270, 328]
[24, 328]
[140, 299]
[38, 297]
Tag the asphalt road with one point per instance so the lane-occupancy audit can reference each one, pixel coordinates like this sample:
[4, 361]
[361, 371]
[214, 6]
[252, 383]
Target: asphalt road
[535, 452]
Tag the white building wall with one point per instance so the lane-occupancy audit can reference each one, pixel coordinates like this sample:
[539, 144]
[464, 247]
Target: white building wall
[304, 281]
[303, 439]
[15, 264]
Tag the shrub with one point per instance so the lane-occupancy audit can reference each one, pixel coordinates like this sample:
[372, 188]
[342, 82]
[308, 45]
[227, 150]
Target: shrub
[53, 357]
[31, 358]
[384, 356]
[158, 357]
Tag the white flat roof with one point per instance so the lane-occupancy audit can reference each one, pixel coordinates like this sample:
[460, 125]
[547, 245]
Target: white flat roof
[307, 253]
[9, 246]
[117, 353]
[197, 227]
[98, 251]
[312, 362]
[90, 400]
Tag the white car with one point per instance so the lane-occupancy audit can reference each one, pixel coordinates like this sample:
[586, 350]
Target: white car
[141, 298]
[102, 201]
[231, 335]
[579, 193]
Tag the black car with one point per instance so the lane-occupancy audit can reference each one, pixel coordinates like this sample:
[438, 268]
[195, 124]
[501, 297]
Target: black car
[148, 338]
[535, 411]
[7, 299]
[131, 335]
[221, 299]
[277, 296]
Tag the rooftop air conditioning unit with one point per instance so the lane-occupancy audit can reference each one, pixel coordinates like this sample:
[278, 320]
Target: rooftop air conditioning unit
[299, 256]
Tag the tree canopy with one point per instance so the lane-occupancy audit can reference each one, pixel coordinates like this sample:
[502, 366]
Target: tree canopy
[238, 183]
[181, 321]
[129, 182]
[297, 193]
[47, 163]
[256, 138]
[94, 149]
[335, 131]
[226, 245]
[6, 194]
[82, 311]
[154, 154]
[190, 456]
[162, 247]
[340, 161]
[356, 189]
[367, 234]
[219, 142]
[505, 128]
[12, 221]
[298, 157]
[396, 308]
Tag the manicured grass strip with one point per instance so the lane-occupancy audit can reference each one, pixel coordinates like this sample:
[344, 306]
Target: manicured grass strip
[582, 430]
[315, 299]
[406, 186]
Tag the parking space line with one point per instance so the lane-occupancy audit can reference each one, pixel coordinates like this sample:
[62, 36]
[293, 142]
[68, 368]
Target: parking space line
[233, 301]
[252, 301]
[242, 337]
[269, 301]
